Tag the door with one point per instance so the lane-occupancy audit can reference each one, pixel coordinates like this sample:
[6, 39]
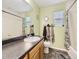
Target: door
[36, 56]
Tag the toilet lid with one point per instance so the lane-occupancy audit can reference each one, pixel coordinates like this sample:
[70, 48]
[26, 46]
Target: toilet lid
[47, 43]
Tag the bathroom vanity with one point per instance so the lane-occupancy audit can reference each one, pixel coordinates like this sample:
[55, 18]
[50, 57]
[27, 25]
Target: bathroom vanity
[23, 50]
[36, 52]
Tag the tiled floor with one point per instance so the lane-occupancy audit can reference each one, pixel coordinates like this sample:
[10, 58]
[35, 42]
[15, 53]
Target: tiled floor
[56, 54]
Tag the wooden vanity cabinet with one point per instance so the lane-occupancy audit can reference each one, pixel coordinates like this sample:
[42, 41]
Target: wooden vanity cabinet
[36, 56]
[42, 51]
[26, 56]
[36, 52]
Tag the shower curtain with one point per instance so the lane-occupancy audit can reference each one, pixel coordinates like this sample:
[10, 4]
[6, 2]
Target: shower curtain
[67, 35]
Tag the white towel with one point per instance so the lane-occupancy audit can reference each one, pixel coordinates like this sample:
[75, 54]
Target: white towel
[52, 34]
[48, 31]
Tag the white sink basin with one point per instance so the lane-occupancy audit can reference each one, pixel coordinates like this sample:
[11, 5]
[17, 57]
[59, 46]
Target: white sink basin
[32, 39]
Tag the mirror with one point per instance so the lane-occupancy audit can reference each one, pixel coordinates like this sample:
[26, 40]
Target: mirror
[28, 26]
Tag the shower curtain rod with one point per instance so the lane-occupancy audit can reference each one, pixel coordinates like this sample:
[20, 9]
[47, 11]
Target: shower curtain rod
[71, 5]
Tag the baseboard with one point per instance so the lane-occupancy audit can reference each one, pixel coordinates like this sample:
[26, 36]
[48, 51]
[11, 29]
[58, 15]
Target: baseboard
[62, 49]
[72, 53]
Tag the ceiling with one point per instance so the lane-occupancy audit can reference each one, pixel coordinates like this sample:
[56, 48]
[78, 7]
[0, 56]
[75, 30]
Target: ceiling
[16, 5]
[45, 3]
[23, 6]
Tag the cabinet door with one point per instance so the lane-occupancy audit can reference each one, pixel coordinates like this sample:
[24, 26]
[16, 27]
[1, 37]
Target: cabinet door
[36, 56]
[37, 51]
[26, 57]
[42, 51]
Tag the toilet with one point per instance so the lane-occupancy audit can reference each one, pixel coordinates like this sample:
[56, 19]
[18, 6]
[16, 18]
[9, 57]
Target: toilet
[46, 46]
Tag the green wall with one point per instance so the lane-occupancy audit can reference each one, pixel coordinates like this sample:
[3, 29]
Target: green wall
[58, 31]
[34, 14]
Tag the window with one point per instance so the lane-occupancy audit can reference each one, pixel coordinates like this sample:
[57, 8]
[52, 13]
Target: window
[27, 21]
[59, 18]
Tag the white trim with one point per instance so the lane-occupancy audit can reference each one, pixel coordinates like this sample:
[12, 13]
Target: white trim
[72, 53]
[73, 50]
[62, 49]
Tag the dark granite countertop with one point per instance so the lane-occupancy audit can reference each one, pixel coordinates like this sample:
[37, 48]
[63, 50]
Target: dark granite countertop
[16, 50]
